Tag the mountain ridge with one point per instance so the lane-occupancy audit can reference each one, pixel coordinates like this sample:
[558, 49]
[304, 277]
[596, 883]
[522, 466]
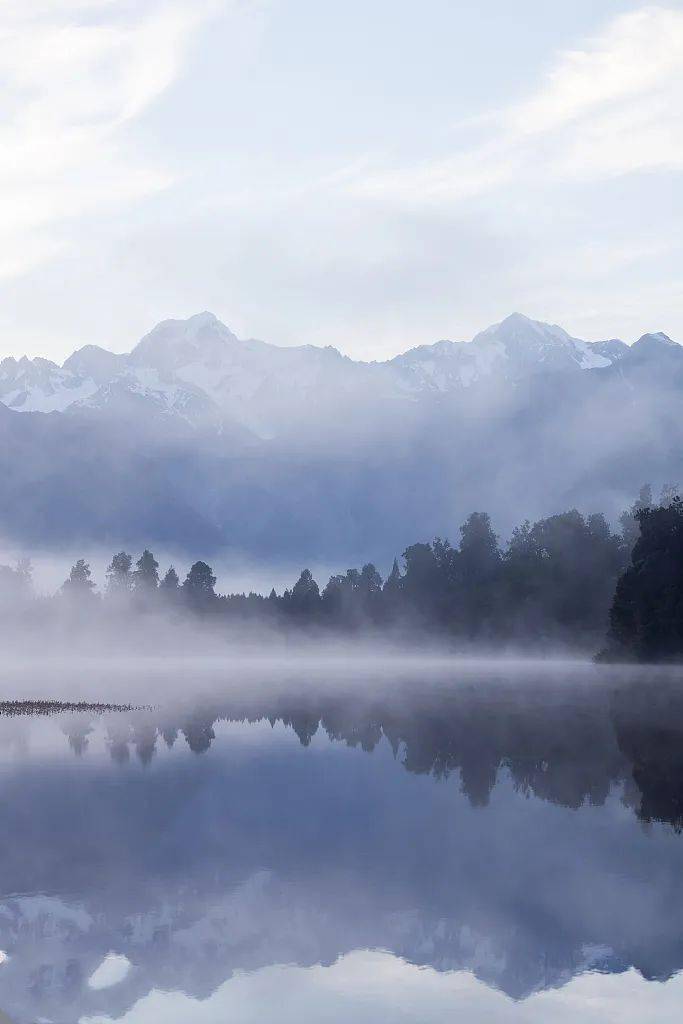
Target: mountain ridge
[199, 370]
[303, 453]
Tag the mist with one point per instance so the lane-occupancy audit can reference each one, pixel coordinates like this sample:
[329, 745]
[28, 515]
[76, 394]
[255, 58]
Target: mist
[341, 642]
[254, 454]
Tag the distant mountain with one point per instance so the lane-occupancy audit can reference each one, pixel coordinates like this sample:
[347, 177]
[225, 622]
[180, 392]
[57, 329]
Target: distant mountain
[199, 370]
[197, 439]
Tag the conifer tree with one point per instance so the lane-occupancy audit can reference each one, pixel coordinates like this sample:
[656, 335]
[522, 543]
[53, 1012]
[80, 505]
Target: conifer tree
[305, 597]
[170, 583]
[198, 587]
[394, 580]
[146, 575]
[79, 582]
[119, 575]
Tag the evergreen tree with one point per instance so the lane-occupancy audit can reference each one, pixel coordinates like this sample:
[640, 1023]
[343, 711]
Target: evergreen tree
[559, 577]
[146, 575]
[478, 567]
[646, 618]
[424, 585]
[392, 595]
[628, 520]
[198, 588]
[370, 581]
[394, 581]
[119, 575]
[79, 582]
[369, 595]
[305, 596]
[170, 584]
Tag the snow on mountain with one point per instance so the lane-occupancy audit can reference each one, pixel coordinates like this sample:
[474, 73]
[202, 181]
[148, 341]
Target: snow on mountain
[175, 344]
[95, 363]
[245, 380]
[442, 367]
[198, 370]
[657, 344]
[38, 385]
[510, 350]
[521, 346]
[613, 349]
[144, 391]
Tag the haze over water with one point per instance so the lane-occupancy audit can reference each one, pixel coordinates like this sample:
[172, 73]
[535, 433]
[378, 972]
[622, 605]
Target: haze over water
[485, 842]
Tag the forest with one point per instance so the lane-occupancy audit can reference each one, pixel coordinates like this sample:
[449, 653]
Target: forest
[568, 581]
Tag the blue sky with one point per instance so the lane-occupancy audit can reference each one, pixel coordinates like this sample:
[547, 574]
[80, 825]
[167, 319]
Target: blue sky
[371, 175]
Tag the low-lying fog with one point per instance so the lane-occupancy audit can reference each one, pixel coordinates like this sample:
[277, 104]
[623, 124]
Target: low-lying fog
[345, 669]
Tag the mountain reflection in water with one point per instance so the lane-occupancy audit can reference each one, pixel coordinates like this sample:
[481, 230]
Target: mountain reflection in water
[524, 831]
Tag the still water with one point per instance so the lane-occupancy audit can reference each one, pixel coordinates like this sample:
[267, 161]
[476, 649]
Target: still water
[471, 846]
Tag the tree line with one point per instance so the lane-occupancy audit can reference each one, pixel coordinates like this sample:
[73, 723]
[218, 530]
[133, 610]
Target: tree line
[567, 578]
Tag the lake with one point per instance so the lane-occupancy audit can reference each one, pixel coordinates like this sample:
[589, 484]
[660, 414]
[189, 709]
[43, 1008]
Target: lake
[473, 842]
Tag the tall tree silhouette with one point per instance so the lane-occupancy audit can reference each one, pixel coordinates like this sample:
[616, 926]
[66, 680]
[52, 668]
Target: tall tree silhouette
[646, 618]
[198, 588]
[628, 520]
[79, 583]
[146, 575]
[170, 584]
[304, 600]
[119, 575]
[478, 569]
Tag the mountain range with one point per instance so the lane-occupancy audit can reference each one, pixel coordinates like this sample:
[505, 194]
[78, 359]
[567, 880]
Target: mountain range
[197, 370]
[200, 441]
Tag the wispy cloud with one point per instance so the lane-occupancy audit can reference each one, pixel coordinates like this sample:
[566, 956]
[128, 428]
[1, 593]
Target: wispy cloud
[611, 108]
[74, 74]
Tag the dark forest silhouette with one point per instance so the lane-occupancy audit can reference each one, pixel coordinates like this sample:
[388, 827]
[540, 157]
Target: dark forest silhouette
[567, 579]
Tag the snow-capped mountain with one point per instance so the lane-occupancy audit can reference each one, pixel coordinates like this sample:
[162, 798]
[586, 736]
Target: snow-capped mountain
[38, 385]
[197, 369]
[202, 441]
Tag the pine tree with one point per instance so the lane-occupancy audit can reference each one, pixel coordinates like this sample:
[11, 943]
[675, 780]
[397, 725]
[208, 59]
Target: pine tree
[646, 619]
[394, 580]
[305, 598]
[79, 582]
[628, 520]
[170, 583]
[146, 575]
[119, 575]
[198, 587]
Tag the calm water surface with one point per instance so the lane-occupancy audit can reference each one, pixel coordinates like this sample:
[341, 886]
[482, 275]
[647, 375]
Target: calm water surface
[477, 847]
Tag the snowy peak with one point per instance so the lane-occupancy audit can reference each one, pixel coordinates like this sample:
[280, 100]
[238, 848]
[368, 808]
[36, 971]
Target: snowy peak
[655, 343]
[530, 346]
[173, 344]
[198, 370]
[94, 363]
[511, 350]
[39, 385]
[613, 349]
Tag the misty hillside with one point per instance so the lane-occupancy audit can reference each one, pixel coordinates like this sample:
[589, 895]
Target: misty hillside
[199, 440]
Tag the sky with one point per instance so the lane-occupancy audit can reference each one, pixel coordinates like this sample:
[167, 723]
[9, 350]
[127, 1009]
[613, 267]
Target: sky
[372, 174]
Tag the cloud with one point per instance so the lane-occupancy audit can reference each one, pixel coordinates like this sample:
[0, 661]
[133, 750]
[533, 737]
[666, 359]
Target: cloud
[74, 74]
[369, 986]
[611, 108]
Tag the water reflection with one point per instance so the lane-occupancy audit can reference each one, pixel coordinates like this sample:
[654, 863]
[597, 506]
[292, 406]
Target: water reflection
[524, 832]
